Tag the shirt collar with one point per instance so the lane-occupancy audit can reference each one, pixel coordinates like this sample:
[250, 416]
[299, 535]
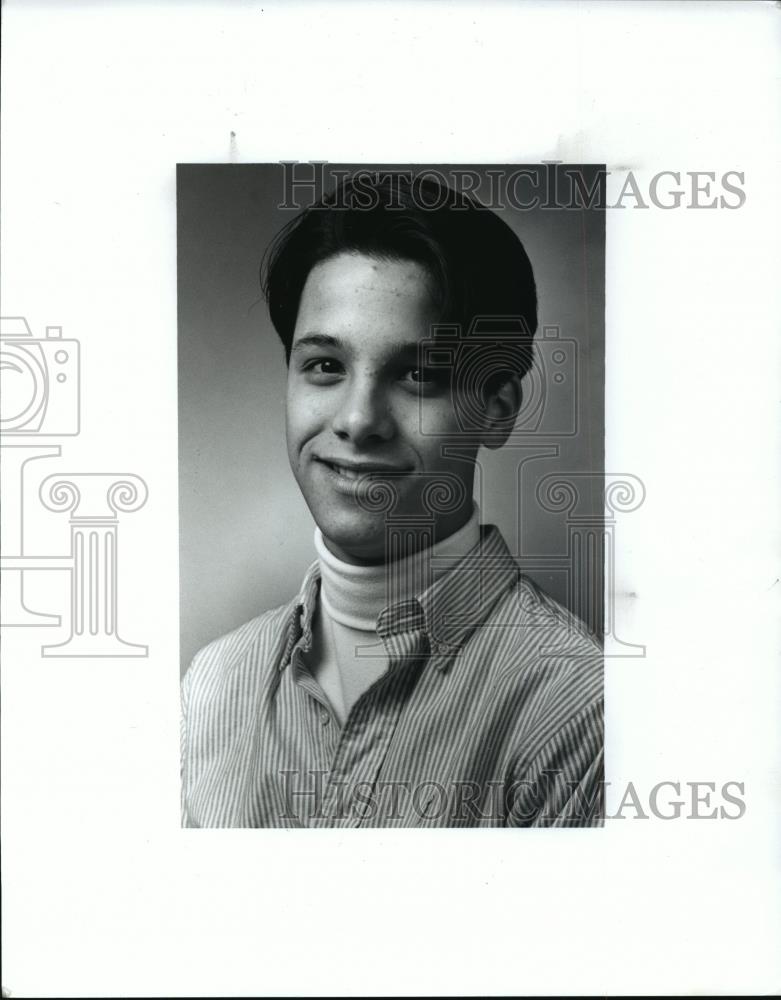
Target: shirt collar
[461, 601]
[449, 611]
[299, 624]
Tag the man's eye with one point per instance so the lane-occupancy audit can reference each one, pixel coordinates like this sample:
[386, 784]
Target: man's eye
[420, 376]
[324, 367]
[429, 381]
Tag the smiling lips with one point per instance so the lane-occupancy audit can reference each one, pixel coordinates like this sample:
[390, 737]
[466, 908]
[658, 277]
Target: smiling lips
[355, 470]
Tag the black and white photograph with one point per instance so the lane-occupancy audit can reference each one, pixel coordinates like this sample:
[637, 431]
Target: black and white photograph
[399, 449]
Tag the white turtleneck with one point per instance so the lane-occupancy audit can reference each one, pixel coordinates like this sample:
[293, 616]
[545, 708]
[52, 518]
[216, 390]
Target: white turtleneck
[347, 655]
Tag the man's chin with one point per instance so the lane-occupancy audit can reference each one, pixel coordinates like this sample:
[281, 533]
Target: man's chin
[353, 535]
[353, 548]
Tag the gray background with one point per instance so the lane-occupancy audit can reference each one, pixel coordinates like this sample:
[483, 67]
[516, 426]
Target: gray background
[245, 531]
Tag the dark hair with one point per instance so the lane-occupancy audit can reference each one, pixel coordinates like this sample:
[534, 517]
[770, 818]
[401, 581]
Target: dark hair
[478, 266]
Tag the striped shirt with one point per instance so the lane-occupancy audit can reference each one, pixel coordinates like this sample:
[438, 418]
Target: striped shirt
[489, 714]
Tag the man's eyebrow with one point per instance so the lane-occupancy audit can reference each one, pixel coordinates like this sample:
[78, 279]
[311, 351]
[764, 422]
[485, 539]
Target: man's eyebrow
[317, 340]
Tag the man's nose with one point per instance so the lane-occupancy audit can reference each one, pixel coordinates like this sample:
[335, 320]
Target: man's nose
[364, 414]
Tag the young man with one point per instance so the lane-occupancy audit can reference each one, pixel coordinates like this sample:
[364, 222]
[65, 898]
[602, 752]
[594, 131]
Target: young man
[418, 678]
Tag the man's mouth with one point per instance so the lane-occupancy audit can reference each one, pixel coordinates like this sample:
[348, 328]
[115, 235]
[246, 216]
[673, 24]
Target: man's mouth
[356, 470]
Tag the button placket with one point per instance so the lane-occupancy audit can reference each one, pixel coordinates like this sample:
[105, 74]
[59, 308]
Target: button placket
[378, 710]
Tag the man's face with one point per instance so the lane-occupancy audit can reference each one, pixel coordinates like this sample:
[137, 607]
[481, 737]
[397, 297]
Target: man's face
[357, 401]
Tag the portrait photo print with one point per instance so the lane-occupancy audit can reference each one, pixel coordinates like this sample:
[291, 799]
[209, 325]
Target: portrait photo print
[395, 543]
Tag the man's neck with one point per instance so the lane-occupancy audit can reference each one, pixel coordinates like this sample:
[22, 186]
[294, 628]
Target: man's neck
[355, 594]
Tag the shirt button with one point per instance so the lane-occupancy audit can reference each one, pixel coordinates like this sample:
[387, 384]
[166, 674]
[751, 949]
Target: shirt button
[325, 718]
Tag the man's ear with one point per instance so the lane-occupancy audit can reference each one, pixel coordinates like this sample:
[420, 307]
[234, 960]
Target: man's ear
[503, 401]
